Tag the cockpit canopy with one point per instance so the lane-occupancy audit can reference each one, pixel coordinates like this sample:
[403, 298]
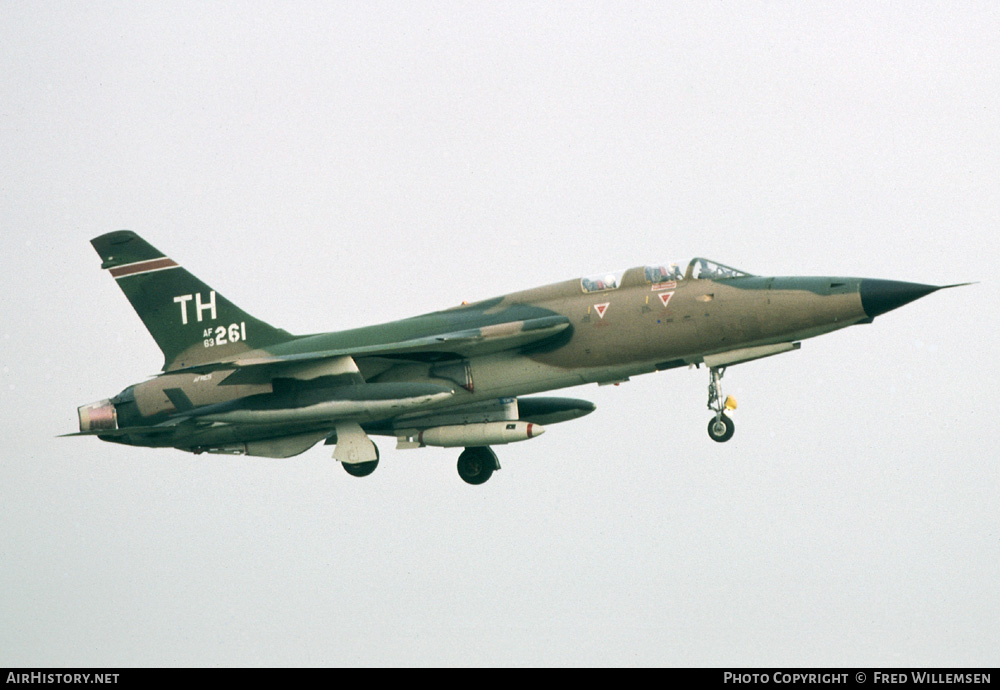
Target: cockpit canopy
[603, 281]
[702, 269]
[664, 274]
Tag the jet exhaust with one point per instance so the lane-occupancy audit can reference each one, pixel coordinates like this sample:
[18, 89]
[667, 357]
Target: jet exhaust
[98, 416]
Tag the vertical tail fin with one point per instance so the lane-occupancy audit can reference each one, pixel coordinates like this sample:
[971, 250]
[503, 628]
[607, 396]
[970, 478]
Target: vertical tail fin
[190, 322]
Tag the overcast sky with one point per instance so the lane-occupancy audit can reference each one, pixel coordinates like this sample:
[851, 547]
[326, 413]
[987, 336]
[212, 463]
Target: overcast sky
[331, 165]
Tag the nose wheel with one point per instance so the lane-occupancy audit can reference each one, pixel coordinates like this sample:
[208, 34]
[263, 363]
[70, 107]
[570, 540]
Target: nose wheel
[720, 427]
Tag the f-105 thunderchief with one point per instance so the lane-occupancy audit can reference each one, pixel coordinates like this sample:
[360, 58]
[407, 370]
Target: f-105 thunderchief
[462, 377]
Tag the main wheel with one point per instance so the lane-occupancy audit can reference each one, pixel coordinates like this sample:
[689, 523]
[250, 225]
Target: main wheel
[721, 429]
[476, 465]
[361, 469]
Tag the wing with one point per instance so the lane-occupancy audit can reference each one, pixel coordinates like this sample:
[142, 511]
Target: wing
[474, 341]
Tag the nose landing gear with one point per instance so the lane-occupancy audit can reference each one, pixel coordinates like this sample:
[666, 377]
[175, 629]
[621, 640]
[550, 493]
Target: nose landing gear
[720, 427]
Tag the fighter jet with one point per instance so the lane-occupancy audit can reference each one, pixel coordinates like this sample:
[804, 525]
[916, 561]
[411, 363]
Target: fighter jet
[462, 377]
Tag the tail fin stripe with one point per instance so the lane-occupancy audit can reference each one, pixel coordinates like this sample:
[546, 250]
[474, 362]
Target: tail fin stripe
[143, 267]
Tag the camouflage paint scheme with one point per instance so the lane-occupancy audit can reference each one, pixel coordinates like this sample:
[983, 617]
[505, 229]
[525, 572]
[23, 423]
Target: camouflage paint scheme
[232, 383]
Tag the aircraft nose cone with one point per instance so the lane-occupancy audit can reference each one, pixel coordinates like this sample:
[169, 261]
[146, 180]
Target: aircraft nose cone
[880, 296]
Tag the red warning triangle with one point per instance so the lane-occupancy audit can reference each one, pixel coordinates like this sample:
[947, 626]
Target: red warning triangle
[601, 308]
[665, 297]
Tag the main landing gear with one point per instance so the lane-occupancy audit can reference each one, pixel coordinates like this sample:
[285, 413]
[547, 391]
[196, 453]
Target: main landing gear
[720, 427]
[476, 465]
[361, 469]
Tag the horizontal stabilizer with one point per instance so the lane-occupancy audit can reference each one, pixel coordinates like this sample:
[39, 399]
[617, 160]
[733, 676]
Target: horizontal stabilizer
[155, 430]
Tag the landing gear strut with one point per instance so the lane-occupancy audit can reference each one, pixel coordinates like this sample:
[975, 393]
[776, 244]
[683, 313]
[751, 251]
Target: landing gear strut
[720, 427]
[476, 465]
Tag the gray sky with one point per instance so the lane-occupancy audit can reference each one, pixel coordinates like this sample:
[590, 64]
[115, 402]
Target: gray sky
[331, 165]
